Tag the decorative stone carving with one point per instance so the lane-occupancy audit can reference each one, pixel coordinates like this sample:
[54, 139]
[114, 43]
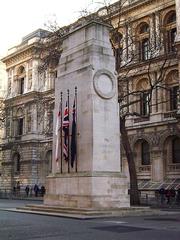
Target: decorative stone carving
[104, 83]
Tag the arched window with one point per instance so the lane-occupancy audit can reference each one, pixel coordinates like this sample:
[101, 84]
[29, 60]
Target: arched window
[170, 31]
[144, 28]
[144, 104]
[117, 41]
[143, 41]
[145, 154]
[17, 165]
[176, 150]
[170, 17]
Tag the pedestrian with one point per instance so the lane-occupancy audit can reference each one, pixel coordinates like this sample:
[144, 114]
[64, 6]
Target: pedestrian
[14, 190]
[162, 194]
[27, 190]
[31, 191]
[43, 191]
[168, 195]
[18, 188]
[36, 190]
[178, 196]
[172, 195]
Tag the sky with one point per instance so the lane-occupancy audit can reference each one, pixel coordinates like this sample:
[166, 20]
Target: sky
[20, 17]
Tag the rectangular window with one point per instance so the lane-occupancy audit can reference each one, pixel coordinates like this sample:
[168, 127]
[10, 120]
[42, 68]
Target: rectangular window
[144, 104]
[176, 150]
[145, 49]
[20, 126]
[21, 86]
[145, 155]
[171, 40]
[174, 98]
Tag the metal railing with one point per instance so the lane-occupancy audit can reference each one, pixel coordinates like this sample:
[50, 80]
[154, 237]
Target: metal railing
[154, 198]
[19, 194]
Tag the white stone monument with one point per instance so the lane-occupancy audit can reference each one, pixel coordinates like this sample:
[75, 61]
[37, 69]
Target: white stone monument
[178, 20]
[87, 62]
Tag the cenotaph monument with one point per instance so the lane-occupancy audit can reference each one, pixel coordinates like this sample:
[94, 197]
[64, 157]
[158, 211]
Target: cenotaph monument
[95, 181]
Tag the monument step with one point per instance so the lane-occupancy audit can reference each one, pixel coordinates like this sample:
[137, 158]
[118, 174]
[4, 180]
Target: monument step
[83, 212]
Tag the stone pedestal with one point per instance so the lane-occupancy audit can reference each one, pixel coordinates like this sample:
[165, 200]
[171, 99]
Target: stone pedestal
[87, 62]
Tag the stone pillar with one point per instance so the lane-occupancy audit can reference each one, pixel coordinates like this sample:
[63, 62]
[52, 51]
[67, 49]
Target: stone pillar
[35, 76]
[87, 62]
[26, 78]
[157, 165]
[34, 120]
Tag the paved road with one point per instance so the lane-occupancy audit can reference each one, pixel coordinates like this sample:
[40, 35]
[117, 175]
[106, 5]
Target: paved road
[8, 203]
[20, 226]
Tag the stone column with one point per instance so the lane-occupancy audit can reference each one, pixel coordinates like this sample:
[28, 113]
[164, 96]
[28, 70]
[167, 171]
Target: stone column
[34, 120]
[35, 80]
[26, 79]
[87, 62]
[157, 165]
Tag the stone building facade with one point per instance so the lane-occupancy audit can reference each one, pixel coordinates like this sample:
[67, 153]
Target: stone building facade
[27, 141]
[147, 52]
[148, 56]
[3, 82]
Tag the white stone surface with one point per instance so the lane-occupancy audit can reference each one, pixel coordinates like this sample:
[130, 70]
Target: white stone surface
[178, 20]
[87, 51]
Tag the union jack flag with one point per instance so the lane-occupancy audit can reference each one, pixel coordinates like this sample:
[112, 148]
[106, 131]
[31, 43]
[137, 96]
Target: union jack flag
[65, 126]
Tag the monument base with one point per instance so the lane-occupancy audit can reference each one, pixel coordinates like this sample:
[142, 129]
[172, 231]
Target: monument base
[87, 190]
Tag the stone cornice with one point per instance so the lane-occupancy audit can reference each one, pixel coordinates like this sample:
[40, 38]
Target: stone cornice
[150, 124]
[137, 4]
[19, 54]
[170, 60]
[28, 97]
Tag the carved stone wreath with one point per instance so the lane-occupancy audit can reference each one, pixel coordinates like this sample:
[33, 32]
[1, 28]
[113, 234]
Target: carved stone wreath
[104, 83]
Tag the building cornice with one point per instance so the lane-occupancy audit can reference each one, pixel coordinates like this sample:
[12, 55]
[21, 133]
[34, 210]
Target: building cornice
[18, 52]
[137, 4]
[28, 97]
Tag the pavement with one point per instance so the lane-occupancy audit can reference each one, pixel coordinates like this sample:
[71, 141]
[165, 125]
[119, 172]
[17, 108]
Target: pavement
[37, 207]
[21, 226]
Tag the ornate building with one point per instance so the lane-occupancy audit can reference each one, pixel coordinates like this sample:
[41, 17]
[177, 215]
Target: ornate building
[27, 145]
[147, 56]
[3, 81]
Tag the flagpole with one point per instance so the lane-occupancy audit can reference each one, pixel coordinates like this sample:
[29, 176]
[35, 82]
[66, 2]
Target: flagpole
[61, 134]
[76, 125]
[68, 134]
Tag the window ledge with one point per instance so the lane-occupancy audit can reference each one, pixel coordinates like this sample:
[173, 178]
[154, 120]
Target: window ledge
[174, 167]
[170, 114]
[144, 168]
[141, 119]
